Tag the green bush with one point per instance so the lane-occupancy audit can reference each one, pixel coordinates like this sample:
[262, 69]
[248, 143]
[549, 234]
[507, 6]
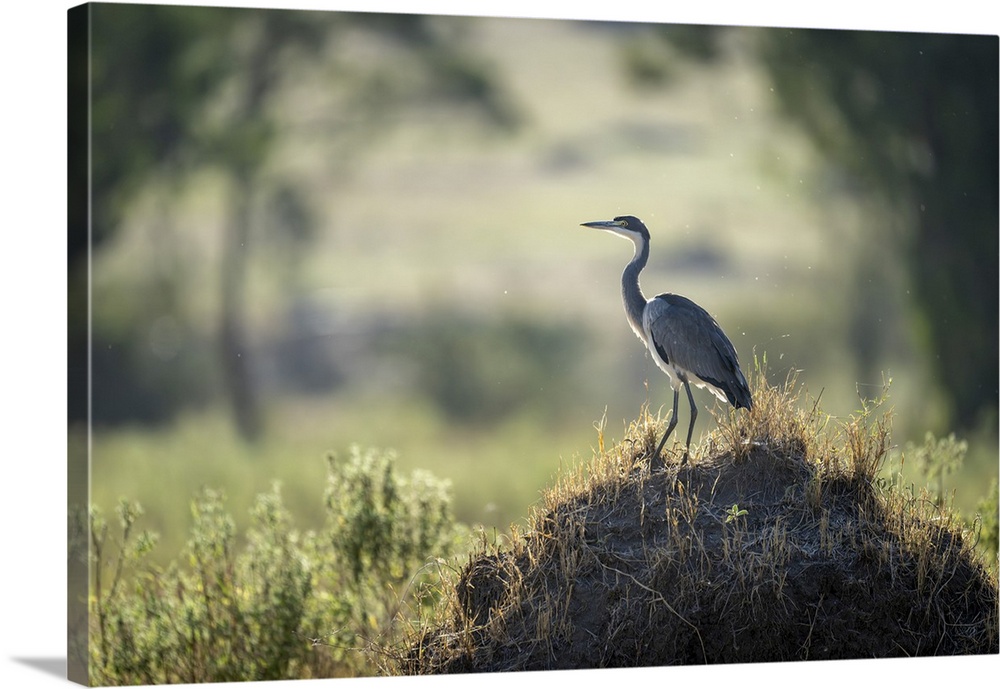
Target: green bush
[276, 603]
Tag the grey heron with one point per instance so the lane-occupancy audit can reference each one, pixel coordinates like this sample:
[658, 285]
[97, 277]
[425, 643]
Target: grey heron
[683, 338]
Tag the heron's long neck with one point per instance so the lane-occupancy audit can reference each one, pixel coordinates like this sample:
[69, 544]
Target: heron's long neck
[632, 295]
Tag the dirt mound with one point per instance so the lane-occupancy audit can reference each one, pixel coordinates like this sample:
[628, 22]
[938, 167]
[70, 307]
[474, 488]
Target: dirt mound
[778, 543]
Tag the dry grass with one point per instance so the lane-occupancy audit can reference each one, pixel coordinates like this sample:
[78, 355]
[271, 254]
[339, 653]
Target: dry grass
[778, 542]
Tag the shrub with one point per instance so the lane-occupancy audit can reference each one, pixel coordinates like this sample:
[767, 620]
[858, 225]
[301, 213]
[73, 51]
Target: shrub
[276, 603]
[382, 534]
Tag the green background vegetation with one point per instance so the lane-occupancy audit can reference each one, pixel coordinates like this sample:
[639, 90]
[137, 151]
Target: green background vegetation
[312, 230]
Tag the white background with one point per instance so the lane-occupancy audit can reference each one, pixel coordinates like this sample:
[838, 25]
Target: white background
[33, 326]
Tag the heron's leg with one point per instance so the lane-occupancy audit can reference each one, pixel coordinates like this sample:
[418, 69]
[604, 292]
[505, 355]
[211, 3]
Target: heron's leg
[694, 415]
[670, 427]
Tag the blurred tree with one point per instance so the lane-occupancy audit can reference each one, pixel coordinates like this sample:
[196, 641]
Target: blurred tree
[176, 89]
[130, 107]
[913, 119]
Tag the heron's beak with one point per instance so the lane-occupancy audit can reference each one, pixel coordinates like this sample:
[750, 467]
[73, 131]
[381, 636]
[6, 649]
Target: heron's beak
[602, 224]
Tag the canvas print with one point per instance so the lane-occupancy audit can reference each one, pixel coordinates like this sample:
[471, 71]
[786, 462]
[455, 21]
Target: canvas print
[403, 344]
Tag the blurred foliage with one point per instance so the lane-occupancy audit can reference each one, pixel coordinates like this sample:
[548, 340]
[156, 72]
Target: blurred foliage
[173, 91]
[654, 56]
[157, 74]
[937, 459]
[277, 603]
[917, 112]
[147, 376]
[479, 370]
[908, 117]
[989, 515]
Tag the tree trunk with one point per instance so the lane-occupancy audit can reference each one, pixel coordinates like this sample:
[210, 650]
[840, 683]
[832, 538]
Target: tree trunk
[236, 355]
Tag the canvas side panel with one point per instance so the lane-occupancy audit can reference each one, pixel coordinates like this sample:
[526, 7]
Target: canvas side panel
[78, 303]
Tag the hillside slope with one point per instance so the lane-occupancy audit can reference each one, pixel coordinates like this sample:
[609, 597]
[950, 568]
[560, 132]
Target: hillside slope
[778, 542]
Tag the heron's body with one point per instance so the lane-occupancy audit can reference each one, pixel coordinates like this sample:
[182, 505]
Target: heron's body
[682, 338]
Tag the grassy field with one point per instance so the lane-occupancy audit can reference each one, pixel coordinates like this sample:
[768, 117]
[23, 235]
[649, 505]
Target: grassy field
[439, 215]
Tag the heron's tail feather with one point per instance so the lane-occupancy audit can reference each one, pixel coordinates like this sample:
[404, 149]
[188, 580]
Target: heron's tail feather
[734, 390]
[739, 394]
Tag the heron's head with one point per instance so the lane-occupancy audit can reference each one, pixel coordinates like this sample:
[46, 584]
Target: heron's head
[627, 226]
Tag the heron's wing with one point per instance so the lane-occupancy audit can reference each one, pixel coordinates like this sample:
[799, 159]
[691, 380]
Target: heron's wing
[688, 338]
